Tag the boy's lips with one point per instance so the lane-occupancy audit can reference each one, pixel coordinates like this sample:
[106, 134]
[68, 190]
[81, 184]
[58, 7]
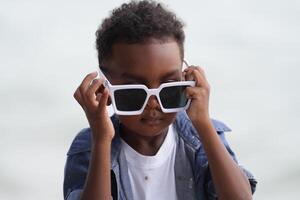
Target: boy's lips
[152, 118]
[151, 121]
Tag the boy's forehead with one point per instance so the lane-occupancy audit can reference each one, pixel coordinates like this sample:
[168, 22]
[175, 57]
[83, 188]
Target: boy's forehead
[142, 74]
[155, 58]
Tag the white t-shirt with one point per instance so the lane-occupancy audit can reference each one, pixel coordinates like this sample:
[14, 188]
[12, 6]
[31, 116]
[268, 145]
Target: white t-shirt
[153, 177]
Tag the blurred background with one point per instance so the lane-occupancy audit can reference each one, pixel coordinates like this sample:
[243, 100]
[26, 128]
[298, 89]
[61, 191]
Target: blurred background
[249, 50]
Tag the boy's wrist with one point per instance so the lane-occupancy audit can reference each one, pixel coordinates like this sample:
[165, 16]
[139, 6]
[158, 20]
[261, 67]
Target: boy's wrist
[101, 143]
[201, 121]
[102, 137]
[203, 125]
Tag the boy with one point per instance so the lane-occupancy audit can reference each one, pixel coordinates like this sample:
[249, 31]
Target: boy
[151, 148]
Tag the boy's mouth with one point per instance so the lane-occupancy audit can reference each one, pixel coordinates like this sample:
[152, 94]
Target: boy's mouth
[152, 118]
[151, 121]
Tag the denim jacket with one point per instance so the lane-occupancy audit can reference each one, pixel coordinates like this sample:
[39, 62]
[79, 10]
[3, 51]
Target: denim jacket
[192, 177]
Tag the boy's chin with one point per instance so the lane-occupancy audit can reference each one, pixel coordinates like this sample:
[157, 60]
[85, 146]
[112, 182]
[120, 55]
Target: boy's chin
[151, 131]
[152, 127]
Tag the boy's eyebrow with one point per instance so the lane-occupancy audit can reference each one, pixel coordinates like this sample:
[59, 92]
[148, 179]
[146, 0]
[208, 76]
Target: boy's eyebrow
[172, 73]
[133, 77]
[140, 79]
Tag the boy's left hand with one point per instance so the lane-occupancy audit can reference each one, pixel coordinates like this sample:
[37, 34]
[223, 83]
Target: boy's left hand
[198, 110]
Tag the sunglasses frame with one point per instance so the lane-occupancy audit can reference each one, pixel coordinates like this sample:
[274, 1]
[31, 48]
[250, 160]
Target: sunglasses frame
[155, 91]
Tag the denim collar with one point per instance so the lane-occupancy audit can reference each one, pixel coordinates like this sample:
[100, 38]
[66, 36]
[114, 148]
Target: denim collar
[185, 130]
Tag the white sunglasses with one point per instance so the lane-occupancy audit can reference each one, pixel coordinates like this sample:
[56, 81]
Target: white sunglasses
[131, 99]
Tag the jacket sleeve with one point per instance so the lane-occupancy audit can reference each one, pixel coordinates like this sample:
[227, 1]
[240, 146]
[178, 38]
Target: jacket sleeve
[209, 187]
[76, 166]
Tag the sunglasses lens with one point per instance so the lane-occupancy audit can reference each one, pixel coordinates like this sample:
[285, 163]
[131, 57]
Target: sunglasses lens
[130, 99]
[173, 97]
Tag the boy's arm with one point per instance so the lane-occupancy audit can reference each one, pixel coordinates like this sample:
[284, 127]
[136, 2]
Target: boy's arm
[229, 180]
[97, 184]
[78, 164]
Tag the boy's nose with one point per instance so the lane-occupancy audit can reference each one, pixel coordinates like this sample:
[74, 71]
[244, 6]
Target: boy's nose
[153, 103]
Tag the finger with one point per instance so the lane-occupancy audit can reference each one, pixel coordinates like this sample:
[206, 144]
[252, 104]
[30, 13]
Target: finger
[91, 92]
[78, 97]
[190, 92]
[202, 72]
[103, 100]
[100, 89]
[188, 73]
[86, 82]
[98, 96]
[109, 101]
[197, 74]
[194, 93]
[200, 69]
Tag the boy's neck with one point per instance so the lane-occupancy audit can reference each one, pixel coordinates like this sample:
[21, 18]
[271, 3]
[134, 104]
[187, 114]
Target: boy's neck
[147, 146]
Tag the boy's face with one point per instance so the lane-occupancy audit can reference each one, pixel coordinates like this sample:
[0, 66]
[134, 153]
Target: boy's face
[151, 64]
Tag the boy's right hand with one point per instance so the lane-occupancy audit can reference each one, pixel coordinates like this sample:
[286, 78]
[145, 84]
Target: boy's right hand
[94, 106]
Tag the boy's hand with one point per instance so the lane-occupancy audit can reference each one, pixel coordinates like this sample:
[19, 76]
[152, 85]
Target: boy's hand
[199, 95]
[222, 167]
[94, 106]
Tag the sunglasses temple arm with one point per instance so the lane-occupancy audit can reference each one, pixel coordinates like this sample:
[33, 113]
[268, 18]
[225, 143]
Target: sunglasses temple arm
[101, 75]
[185, 62]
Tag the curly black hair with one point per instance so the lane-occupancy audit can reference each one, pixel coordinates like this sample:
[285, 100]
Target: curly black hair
[137, 22]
